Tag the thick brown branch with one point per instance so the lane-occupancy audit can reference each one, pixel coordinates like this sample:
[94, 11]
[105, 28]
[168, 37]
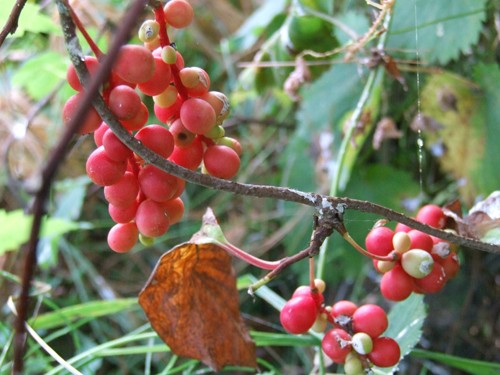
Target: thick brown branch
[10, 26]
[321, 202]
[57, 156]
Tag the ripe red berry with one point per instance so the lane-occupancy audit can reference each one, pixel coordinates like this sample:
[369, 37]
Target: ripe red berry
[156, 184]
[123, 214]
[135, 64]
[124, 102]
[189, 156]
[151, 218]
[370, 319]
[432, 215]
[123, 237]
[124, 192]
[379, 241]
[385, 352]
[433, 282]
[92, 65]
[420, 240]
[298, 314]
[197, 115]
[221, 161]
[343, 308]
[157, 138]
[102, 170]
[92, 119]
[396, 285]
[305, 290]
[178, 13]
[336, 344]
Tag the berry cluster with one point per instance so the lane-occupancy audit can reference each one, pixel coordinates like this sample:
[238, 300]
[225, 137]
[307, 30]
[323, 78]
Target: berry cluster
[144, 200]
[355, 339]
[423, 263]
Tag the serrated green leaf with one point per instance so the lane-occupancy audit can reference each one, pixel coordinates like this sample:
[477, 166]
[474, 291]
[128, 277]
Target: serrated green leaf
[41, 74]
[94, 309]
[406, 319]
[444, 28]
[15, 228]
[31, 19]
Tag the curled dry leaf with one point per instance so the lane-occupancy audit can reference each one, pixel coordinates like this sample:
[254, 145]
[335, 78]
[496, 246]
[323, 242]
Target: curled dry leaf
[297, 78]
[386, 129]
[482, 222]
[192, 303]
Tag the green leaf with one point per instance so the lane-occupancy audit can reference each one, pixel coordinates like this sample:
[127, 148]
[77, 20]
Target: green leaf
[31, 19]
[466, 134]
[15, 229]
[444, 28]
[94, 309]
[41, 74]
[468, 365]
[248, 33]
[406, 319]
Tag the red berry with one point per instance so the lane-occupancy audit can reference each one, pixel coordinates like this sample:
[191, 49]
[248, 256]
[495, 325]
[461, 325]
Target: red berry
[451, 265]
[189, 157]
[197, 115]
[124, 102]
[432, 215]
[124, 192]
[343, 308]
[379, 241]
[402, 228]
[156, 184]
[370, 319]
[305, 290]
[123, 214]
[151, 218]
[385, 352]
[420, 240]
[396, 285]
[135, 64]
[157, 138]
[298, 314]
[102, 170]
[336, 344]
[221, 161]
[178, 13]
[433, 282]
[123, 237]
[92, 65]
[92, 119]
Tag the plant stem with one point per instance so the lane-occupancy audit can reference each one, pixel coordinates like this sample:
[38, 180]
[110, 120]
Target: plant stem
[346, 142]
[95, 49]
[164, 42]
[57, 155]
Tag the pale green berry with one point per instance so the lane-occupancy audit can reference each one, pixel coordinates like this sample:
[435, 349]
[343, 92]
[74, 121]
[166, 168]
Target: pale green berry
[320, 323]
[320, 285]
[362, 343]
[145, 240]
[417, 263]
[169, 55]
[401, 242]
[385, 265]
[353, 365]
[149, 31]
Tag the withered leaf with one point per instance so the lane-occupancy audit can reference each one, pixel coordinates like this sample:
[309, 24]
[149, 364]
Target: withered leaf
[191, 301]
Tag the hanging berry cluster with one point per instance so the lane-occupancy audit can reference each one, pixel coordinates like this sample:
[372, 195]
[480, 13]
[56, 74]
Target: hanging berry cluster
[144, 200]
[355, 339]
[424, 263]
[410, 261]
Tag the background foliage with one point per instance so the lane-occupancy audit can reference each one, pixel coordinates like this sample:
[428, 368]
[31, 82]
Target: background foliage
[448, 55]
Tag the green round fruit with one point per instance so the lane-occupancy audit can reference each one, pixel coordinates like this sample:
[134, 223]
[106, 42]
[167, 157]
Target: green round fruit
[310, 33]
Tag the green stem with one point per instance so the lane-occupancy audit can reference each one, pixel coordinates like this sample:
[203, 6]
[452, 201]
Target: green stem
[356, 115]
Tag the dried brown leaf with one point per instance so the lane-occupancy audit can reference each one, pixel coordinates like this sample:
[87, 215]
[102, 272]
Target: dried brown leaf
[192, 303]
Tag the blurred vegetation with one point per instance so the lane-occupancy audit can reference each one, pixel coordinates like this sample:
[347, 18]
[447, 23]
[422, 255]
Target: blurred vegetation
[444, 96]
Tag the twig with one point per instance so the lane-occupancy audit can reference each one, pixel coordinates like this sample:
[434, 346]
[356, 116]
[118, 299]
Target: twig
[10, 26]
[57, 156]
[322, 203]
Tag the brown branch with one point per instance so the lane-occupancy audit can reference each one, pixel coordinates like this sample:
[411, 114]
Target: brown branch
[57, 156]
[10, 26]
[322, 203]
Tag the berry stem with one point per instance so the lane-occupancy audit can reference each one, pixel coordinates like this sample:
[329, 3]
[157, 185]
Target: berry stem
[93, 46]
[393, 256]
[250, 259]
[165, 41]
